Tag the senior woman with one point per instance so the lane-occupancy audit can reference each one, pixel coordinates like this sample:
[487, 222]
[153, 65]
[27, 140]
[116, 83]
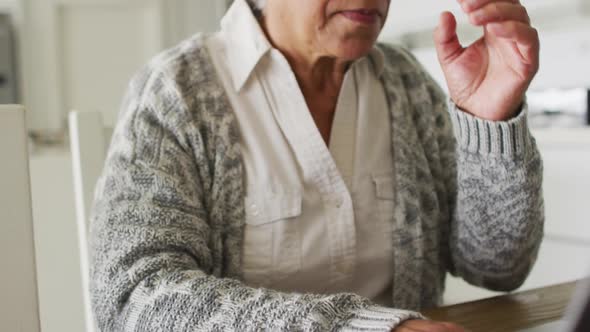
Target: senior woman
[288, 173]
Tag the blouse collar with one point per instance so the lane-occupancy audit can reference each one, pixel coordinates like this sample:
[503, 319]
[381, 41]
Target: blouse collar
[247, 44]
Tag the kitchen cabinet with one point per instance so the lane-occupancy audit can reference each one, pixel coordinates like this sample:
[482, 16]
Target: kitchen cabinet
[80, 54]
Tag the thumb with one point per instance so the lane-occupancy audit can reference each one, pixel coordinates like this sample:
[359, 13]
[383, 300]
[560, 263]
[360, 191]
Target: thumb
[446, 40]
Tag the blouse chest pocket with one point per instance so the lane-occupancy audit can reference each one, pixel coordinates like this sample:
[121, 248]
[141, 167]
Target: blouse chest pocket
[272, 239]
[265, 208]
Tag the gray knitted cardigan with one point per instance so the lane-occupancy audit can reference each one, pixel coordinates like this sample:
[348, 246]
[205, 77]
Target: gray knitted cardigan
[168, 220]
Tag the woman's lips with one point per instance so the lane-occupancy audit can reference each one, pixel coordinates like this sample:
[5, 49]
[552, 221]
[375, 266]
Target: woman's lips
[361, 15]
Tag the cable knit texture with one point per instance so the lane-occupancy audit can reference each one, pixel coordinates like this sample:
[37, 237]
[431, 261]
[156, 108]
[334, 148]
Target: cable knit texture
[167, 225]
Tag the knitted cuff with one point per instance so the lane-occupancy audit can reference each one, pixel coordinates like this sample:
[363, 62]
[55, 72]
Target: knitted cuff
[377, 319]
[499, 138]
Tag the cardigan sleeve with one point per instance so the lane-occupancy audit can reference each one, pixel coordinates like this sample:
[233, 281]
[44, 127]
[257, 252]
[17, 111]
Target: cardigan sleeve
[152, 240]
[493, 178]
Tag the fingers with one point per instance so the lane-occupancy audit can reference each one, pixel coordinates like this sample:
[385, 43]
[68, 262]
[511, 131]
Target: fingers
[525, 37]
[471, 5]
[417, 325]
[498, 12]
[428, 326]
[446, 40]
[506, 19]
[452, 327]
[519, 32]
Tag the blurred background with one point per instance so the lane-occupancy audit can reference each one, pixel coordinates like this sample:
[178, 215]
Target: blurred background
[62, 55]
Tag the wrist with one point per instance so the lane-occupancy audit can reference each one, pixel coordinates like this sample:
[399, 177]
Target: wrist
[494, 114]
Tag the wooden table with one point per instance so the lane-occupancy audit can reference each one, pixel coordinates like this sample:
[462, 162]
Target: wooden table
[508, 313]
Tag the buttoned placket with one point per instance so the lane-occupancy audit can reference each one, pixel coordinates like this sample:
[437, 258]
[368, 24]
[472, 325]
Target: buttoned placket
[344, 128]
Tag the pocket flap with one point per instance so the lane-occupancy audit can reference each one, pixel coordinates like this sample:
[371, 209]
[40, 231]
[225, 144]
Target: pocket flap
[267, 207]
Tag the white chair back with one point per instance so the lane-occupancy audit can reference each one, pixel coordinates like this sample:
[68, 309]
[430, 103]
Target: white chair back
[19, 307]
[88, 148]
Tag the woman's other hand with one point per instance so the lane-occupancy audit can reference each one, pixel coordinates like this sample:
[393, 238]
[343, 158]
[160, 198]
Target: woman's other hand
[489, 78]
[428, 326]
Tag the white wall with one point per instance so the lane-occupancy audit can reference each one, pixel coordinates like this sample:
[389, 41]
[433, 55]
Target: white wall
[7, 5]
[91, 48]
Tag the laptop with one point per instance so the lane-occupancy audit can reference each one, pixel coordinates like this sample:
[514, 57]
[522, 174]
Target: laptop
[577, 316]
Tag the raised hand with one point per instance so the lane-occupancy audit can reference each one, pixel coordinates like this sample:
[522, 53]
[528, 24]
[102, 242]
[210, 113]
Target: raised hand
[490, 77]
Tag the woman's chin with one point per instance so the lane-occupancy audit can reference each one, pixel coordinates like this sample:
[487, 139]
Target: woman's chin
[352, 51]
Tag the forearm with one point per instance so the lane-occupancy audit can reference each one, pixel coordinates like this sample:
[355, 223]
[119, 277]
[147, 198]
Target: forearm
[153, 281]
[498, 216]
[224, 304]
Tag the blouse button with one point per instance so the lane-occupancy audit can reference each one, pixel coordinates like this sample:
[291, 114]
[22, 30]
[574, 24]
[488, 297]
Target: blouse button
[254, 210]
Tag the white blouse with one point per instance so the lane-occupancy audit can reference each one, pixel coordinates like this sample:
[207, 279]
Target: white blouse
[318, 219]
